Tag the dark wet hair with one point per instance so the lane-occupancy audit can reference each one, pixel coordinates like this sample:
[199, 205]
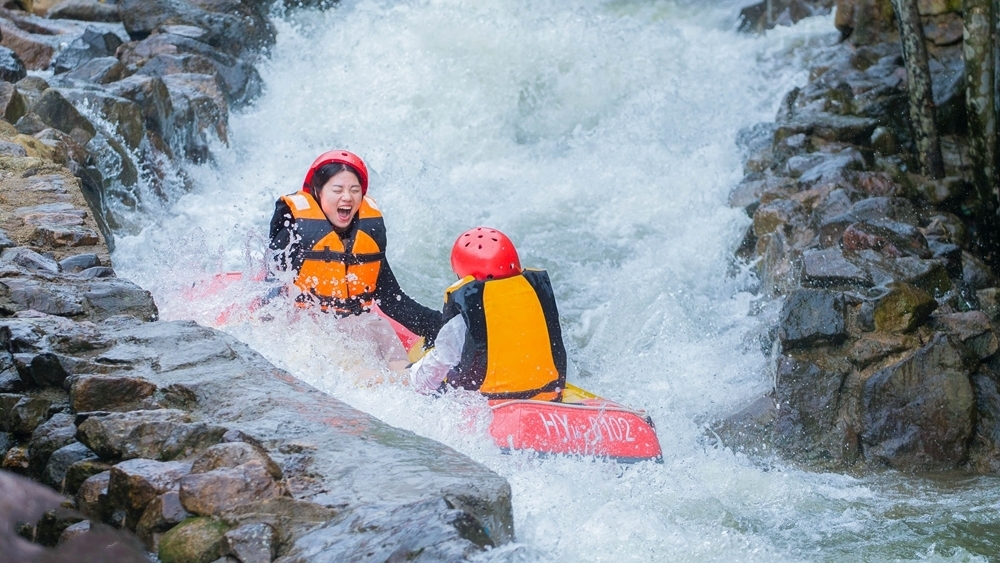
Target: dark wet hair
[327, 171]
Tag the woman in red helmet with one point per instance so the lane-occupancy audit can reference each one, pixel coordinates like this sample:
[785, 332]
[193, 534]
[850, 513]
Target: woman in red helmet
[502, 335]
[333, 236]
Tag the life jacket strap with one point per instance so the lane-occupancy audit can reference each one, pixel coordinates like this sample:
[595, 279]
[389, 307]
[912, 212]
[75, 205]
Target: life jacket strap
[551, 387]
[346, 258]
[356, 305]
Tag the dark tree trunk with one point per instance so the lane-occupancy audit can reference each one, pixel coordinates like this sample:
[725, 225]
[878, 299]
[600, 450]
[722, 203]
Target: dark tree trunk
[980, 98]
[925, 134]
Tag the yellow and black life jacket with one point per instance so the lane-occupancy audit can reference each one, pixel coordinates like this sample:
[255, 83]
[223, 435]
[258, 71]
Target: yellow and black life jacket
[513, 347]
[339, 274]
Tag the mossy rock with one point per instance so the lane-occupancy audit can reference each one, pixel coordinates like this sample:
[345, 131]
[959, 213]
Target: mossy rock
[903, 309]
[195, 540]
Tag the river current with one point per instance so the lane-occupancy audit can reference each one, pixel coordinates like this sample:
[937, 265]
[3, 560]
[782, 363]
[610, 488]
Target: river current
[601, 136]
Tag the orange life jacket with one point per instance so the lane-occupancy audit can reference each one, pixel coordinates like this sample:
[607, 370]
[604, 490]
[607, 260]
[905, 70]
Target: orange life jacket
[513, 347]
[338, 278]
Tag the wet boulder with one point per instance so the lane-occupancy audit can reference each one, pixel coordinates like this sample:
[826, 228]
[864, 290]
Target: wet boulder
[153, 98]
[781, 214]
[50, 436]
[230, 25]
[156, 434]
[92, 496]
[828, 268]
[79, 471]
[253, 543]
[125, 114]
[45, 370]
[972, 328]
[134, 483]
[109, 393]
[34, 49]
[55, 110]
[91, 44]
[233, 454]
[100, 70]
[976, 274]
[433, 529]
[195, 540]
[888, 238]
[220, 490]
[79, 262]
[161, 514]
[919, 412]
[61, 460]
[201, 109]
[11, 66]
[85, 10]
[28, 414]
[903, 308]
[809, 316]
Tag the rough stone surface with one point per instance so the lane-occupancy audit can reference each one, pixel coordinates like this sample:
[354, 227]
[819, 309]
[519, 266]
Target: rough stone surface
[220, 490]
[252, 543]
[812, 315]
[903, 309]
[161, 514]
[109, 393]
[234, 454]
[135, 483]
[196, 540]
[919, 412]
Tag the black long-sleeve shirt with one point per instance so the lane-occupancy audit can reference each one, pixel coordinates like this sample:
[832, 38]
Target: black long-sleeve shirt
[286, 247]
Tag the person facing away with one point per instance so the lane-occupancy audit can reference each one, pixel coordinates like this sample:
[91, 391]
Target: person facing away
[332, 235]
[501, 335]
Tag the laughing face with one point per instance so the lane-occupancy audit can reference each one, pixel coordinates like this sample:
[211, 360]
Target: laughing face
[340, 198]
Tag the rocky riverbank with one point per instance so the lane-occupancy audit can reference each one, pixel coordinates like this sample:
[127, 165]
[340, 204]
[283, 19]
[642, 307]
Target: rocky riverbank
[170, 430]
[884, 318]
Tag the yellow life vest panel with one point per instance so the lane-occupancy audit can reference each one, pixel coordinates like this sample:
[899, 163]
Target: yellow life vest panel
[328, 272]
[513, 347]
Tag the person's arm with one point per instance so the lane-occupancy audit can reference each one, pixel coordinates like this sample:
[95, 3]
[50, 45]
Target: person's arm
[283, 245]
[400, 307]
[430, 371]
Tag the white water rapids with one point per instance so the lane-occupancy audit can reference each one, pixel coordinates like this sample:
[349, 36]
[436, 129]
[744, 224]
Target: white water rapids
[599, 135]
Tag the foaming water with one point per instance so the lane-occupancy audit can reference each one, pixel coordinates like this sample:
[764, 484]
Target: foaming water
[601, 137]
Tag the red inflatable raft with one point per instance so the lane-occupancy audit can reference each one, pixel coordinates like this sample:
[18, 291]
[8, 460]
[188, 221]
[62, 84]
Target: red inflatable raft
[581, 424]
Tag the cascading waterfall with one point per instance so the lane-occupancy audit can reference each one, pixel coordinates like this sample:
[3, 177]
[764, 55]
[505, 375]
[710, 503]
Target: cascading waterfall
[600, 137]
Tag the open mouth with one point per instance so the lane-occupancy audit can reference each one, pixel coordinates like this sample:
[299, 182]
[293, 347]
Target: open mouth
[344, 213]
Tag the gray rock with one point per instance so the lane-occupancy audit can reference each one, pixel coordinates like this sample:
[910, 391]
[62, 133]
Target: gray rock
[124, 114]
[100, 70]
[161, 514]
[45, 370]
[233, 27]
[158, 434]
[976, 273]
[79, 262]
[28, 414]
[11, 66]
[56, 432]
[96, 272]
[60, 461]
[29, 260]
[92, 497]
[809, 316]
[109, 393]
[253, 543]
[85, 10]
[12, 149]
[133, 484]
[218, 491]
[429, 530]
[233, 454]
[827, 268]
[888, 238]
[79, 471]
[30, 124]
[56, 111]
[919, 412]
[91, 44]
[153, 98]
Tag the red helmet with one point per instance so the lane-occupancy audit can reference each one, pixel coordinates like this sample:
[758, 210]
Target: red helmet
[342, 157]
[484, 254]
